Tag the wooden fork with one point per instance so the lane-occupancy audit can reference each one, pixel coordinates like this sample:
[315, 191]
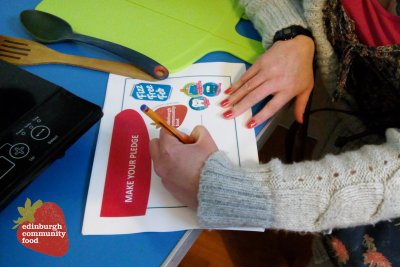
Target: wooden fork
[25, 52]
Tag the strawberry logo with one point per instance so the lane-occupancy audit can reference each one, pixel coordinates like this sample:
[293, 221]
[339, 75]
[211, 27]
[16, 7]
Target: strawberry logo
[42, 228]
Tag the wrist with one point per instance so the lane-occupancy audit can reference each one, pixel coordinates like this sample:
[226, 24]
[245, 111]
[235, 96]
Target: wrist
[298, 43]
[303, 41]
[292, 32]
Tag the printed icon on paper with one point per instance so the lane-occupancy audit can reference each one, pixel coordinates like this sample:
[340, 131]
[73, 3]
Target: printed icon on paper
[211, 89]
[193, 89]
[174, 115]
[151, 91]
[199, 103]
[42, 228]
[199, 93]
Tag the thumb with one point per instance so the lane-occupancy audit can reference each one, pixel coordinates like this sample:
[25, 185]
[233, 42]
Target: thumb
[198, 132]
[202, 136]
[300, 105]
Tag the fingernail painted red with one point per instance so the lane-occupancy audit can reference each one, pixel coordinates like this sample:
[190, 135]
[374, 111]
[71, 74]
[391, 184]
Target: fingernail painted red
[228, 91]
[224, 103]
[251, 124]
[228, 114]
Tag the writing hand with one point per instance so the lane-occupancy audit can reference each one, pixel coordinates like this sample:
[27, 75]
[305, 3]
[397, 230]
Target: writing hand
[284, 71]
[179, 165]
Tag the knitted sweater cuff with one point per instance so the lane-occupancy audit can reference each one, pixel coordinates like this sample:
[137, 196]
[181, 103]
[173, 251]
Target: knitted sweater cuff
[271, 16]
[221, 204]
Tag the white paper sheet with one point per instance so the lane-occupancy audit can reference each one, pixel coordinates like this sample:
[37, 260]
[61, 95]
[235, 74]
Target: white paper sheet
[164, 212]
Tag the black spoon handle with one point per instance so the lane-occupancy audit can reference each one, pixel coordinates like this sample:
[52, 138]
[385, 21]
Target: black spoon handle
[141, 61]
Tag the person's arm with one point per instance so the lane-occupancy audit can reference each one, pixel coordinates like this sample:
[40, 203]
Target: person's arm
[270, 16]
[354, 188]
[284, 71]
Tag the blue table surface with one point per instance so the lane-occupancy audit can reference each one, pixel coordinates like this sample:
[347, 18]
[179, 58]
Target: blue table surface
[66, 181]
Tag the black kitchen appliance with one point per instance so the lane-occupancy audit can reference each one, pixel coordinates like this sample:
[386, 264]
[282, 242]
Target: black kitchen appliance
[38, 122]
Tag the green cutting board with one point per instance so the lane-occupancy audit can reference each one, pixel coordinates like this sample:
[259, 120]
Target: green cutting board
[175, 33]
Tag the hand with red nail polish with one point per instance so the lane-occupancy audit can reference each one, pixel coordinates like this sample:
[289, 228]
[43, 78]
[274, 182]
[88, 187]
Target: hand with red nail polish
[284, 71]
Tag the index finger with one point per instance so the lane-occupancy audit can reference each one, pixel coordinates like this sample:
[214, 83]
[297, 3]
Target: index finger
[251, 72]
[155, 149]
[167, 138]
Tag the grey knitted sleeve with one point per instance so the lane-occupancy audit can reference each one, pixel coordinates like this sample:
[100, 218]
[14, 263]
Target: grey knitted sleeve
[354, 188]
[270, 16]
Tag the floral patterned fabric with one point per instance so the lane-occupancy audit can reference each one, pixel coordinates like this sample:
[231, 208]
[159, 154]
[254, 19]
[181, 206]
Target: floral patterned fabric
[374, 246]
